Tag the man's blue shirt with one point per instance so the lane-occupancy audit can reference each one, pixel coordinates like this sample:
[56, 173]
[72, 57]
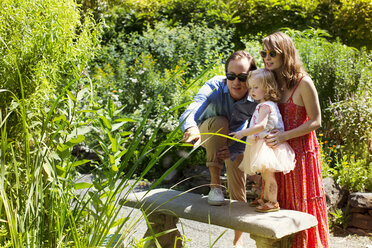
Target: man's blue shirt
[214, 99]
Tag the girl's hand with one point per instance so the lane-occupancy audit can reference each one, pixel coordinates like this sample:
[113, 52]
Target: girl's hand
[237, 135]
[274, 138]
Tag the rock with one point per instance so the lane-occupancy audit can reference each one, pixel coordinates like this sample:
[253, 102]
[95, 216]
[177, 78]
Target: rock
[370, 212]
[358, 231]
[172, 177]
[196, 177]
[84, 152]
[362, 221]
[358, 210]
[361, 200]
[333, 194]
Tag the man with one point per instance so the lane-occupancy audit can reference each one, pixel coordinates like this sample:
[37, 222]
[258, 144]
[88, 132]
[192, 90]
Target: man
[222, 105]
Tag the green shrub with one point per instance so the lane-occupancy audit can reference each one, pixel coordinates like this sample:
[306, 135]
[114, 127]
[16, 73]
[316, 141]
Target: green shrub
[351, 120]
[347, 19]
[353, 23]
[44, 40]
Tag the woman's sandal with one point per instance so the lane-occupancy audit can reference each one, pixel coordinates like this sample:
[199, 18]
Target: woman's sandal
[268, 207]
[257, 202]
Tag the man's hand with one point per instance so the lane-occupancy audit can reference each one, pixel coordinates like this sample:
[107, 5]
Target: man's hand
[192, 136]
[223, 153]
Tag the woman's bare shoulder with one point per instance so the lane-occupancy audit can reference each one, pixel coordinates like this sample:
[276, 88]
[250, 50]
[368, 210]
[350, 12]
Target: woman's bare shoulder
[306, 83]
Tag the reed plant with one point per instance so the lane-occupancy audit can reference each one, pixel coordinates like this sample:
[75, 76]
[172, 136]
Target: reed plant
[42, 202]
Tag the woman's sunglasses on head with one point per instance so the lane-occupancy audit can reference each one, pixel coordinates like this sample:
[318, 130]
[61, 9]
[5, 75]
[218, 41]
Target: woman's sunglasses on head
[271, 53]
[242, 76]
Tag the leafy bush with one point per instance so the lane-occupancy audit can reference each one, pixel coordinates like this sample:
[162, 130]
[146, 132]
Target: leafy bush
[347, 19]
[352, 23]
[40, 42]
[350, 170]
[156, 68]
[138, 65]
[351, 120]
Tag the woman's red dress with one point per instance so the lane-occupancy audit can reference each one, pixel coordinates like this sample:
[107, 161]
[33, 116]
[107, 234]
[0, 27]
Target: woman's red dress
[302, 188]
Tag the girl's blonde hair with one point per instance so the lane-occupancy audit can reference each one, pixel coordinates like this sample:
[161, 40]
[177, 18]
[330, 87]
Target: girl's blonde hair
[267, 79]
[292, 68]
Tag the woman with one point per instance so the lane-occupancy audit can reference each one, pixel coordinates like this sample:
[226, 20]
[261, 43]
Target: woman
[302, 188]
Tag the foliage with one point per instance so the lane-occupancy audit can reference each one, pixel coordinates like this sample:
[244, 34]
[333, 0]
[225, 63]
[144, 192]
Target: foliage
[41, 40]
[347, 19]
[339, 218]
[155, 68]
[352, 23]
[351, 120]
[136, 64]
[42, 203]
[352, 172]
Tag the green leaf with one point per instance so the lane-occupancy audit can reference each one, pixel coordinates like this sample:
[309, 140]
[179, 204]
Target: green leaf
[48, 169]
[116, 126]
[80, 162]
[112, 159]
[78, 139]
[119, 222]
[105, 121]
[58, 118]
[124, 120]
[71, 96]
[83, 130]
[114, 168]
[82, 185]
[125, 133]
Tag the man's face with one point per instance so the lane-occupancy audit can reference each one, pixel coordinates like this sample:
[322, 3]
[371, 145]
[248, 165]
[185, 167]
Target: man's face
[238, 89]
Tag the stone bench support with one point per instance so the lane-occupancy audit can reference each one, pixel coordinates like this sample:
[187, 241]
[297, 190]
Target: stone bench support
[165, 206]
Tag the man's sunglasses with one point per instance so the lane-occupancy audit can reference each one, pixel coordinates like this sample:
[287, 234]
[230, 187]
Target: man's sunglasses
[242, 76]
[272, 53]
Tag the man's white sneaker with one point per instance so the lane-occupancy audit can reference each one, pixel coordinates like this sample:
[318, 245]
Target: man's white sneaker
[215, 197]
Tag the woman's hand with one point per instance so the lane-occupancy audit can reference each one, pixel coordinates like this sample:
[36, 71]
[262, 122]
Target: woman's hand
[274, 138]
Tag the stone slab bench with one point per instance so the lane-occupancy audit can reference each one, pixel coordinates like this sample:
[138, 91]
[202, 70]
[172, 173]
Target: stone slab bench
[164, 206]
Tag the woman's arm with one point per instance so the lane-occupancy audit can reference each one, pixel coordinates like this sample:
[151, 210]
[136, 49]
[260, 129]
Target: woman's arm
[309, 97]
[263, 117]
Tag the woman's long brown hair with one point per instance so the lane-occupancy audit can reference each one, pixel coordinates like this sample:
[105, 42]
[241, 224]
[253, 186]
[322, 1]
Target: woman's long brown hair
[292, 68]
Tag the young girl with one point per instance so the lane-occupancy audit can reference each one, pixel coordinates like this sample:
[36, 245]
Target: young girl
[258, 157]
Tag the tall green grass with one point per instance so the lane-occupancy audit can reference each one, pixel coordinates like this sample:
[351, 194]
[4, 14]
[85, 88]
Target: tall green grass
[39, 204]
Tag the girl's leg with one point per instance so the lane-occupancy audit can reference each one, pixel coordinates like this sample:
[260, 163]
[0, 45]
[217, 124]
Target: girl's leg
[271, 187]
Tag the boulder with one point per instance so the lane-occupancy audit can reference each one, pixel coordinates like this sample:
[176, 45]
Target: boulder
[333, 194]
[362, 221]
[361, 200]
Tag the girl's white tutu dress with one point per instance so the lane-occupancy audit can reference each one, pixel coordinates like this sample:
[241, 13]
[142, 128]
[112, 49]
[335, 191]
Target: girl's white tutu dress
[258, 156]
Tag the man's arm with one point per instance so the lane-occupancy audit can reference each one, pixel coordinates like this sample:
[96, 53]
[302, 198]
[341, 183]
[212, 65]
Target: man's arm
[195, 109]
